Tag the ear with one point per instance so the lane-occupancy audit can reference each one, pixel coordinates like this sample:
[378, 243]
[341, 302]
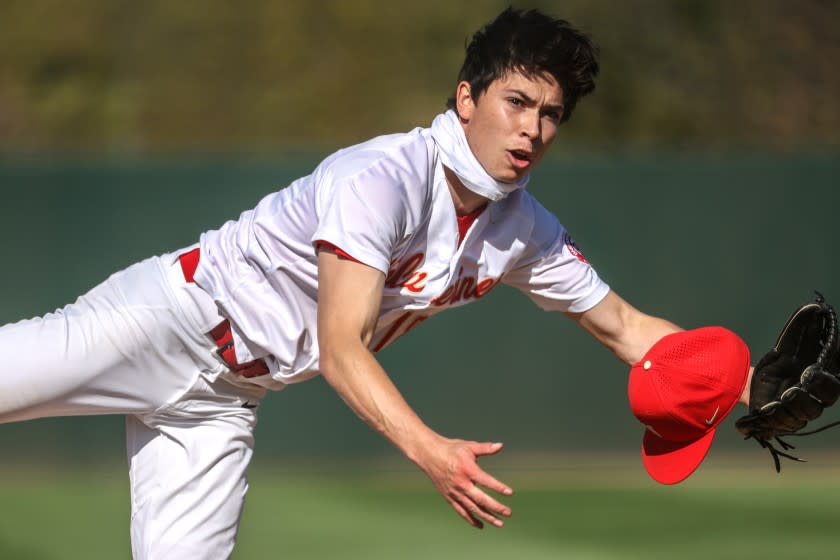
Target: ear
[464, 103]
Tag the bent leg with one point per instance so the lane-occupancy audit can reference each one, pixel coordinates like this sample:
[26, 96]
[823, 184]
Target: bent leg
[188, 467]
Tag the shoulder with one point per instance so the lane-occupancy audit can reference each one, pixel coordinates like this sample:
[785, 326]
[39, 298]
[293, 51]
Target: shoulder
[400, 159]
[388, 177]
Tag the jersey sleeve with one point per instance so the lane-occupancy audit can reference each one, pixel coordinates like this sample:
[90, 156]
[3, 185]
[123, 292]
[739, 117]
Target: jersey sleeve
[363, 216]
[553, 272]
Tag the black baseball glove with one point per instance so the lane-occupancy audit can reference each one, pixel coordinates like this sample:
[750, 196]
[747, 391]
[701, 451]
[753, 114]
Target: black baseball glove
[795, 381]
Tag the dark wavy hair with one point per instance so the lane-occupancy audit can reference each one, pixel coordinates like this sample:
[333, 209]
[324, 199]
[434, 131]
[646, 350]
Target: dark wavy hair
[534, 44]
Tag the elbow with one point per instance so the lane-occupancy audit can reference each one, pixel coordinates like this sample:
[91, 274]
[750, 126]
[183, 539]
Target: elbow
[336, 347]
[337, 355]
[329, 359]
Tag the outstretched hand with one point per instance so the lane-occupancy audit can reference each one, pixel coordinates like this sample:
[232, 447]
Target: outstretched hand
[452, 466]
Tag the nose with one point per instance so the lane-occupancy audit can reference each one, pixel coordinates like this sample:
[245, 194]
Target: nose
[530, 126]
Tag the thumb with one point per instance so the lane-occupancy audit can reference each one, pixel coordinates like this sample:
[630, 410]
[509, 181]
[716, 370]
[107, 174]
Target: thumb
[486, 448]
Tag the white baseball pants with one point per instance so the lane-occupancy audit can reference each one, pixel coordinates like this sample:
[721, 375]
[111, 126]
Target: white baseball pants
[136, 345]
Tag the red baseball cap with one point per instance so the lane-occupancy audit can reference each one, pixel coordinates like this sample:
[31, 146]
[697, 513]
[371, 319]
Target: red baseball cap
[685, 385]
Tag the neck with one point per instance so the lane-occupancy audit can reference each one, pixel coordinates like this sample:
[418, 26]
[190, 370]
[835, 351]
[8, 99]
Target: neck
[464, 199]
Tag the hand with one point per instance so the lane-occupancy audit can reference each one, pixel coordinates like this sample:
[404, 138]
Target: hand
[452, 467]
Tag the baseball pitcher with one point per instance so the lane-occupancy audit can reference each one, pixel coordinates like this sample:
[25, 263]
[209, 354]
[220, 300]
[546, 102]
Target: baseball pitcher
[315, 280]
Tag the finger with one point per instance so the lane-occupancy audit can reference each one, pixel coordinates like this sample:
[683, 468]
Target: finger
[480, 449]
[821, 385]
[801, 404]
[781, 419]
[755, 425]
[488, 503]
[477, 512]
[460, 510]
[483, 479]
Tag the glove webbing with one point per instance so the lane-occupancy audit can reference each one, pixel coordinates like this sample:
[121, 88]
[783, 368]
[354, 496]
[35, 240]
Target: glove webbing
[821, 359]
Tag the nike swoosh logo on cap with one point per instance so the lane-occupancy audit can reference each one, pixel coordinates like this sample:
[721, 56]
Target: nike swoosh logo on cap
[712, 419]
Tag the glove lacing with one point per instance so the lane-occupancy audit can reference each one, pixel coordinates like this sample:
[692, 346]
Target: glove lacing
[776, 453]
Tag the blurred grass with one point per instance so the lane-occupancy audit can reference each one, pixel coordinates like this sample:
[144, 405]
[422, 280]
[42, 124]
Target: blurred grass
[589, 509]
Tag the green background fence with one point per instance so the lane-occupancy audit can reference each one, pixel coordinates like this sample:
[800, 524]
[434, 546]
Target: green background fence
[733, 241]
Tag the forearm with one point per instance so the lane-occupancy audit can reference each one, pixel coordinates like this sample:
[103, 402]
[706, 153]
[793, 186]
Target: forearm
[349, 295]
[358, 378]
[624, 330]
[642, 332]
[629, 333]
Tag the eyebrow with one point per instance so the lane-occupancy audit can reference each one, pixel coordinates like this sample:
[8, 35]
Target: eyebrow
[530, 100]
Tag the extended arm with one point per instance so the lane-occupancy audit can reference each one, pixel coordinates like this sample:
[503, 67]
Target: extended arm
[622, 328]
[349, 296]
[628, 332]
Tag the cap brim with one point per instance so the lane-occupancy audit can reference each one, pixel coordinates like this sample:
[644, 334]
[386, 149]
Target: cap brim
[669, 462]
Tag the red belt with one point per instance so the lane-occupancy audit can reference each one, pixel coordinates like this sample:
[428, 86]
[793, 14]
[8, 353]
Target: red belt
[221, 333]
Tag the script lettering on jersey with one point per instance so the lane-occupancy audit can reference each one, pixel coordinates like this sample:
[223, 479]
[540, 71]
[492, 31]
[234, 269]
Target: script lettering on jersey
[406, 274]
[466, 287]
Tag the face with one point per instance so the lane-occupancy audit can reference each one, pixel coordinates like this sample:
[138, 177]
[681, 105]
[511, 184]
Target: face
[510, 126]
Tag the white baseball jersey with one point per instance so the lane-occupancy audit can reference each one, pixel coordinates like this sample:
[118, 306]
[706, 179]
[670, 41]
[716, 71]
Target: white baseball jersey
[386, 203]
[137, 344]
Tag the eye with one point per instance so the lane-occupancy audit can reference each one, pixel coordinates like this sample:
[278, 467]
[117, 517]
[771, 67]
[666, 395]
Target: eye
[554, 116]
[516, 101]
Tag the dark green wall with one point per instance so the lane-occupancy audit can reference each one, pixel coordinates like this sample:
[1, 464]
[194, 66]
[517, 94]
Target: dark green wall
[738, 242]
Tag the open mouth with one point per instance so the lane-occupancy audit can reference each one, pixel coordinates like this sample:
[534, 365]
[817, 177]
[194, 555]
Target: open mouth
[521, 157]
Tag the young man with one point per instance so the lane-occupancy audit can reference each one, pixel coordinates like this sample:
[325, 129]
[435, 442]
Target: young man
[316, 279]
